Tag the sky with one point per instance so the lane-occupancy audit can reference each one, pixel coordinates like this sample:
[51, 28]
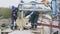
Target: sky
[9, 3]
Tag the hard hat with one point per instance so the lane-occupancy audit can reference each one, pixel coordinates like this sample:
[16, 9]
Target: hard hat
[13, 7]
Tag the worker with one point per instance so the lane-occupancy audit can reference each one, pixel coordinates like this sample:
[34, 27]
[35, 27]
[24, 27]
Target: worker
[33, 19]
[14, 16]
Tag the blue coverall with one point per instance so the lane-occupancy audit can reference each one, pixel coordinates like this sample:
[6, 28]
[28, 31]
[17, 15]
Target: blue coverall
[33, 19]
[14, 17]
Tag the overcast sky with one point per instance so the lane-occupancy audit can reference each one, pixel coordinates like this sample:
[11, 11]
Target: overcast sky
[9, 3]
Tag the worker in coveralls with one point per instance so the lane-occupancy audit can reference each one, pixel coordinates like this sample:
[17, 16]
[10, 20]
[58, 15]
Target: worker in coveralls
[33, 19]
[14, 16]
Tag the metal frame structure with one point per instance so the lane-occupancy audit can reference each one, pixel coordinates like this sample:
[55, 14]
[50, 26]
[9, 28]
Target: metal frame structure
[53, 6]
[33, 4]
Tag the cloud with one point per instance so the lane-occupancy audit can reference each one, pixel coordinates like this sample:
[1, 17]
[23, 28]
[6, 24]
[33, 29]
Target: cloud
[8, 3]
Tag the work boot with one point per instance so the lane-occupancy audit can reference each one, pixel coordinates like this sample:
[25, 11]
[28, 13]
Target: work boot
[35, 26]
[32, 27]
